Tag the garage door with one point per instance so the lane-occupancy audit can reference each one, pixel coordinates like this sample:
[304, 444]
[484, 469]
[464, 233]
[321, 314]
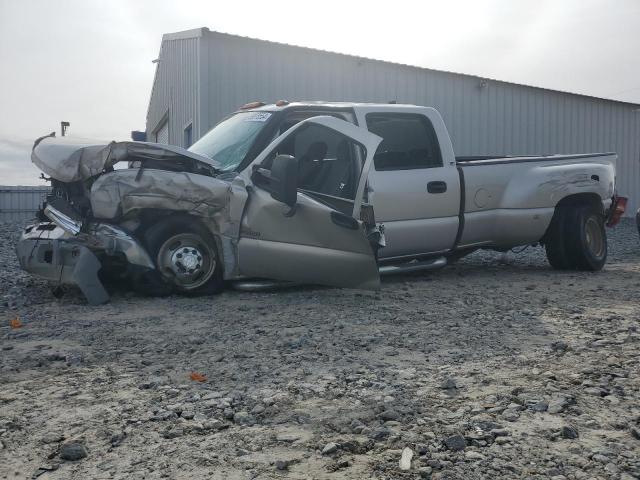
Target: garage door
[162, 134]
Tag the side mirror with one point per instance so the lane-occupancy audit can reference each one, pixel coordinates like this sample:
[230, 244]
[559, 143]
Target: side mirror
[284, 180]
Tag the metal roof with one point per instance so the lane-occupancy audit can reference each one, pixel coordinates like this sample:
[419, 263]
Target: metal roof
[202, 31]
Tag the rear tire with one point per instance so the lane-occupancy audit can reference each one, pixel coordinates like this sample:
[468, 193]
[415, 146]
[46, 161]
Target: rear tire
[554, 242]
[186, 259]
[586, 240]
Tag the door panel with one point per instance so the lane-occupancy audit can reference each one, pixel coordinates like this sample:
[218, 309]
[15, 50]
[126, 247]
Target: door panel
[409, 237]
[415, 183]
[416, 221]
[308, 246]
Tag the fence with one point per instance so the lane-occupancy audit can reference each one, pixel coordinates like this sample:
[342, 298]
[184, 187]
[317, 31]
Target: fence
[21, 202]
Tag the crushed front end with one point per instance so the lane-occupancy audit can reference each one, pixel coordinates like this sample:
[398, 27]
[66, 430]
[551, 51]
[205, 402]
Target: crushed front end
[89, 228]
[66, 250]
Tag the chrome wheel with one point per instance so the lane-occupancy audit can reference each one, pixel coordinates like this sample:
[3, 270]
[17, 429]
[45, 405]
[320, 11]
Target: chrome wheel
[186, 261]
[594, 238]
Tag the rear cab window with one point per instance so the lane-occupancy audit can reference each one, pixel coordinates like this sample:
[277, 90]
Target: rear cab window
[409, 141]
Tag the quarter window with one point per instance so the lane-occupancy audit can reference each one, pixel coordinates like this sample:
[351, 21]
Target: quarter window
[408, 141]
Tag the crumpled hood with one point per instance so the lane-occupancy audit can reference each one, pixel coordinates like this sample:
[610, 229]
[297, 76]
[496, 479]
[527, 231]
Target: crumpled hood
[69, 159]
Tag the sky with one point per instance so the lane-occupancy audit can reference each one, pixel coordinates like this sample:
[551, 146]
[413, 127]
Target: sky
[88, 62]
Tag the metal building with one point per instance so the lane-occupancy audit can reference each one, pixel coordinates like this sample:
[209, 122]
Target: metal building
[202, 75]
[21, 202]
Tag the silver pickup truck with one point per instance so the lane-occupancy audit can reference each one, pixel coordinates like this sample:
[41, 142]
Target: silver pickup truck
[318, 193]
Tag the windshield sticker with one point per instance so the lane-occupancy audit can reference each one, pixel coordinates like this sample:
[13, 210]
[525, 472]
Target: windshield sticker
[257, 117]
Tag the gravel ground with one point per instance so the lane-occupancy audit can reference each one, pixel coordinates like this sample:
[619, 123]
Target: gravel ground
[496, 367]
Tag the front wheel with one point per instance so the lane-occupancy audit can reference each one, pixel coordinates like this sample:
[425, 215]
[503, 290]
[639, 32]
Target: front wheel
[185, 256]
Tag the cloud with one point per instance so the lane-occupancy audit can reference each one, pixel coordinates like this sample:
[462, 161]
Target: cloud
[15, 163]
[89, 63]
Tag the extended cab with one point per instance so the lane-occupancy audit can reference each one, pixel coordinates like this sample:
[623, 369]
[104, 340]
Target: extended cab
[321, 193]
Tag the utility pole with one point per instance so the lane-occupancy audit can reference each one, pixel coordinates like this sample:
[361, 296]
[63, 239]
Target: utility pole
[63, 128]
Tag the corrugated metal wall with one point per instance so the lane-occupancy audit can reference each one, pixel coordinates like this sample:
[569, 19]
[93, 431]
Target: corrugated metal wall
[20, 203]
[175, 90]
[497, 118]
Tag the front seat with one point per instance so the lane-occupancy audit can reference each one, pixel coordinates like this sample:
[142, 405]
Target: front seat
[310, 165]
[338, 177]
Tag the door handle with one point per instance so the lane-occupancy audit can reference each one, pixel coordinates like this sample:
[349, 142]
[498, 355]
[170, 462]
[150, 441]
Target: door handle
[344, 221]
[437, 187]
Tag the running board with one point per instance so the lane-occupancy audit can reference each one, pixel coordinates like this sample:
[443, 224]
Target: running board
[415, 266]
[261, 285]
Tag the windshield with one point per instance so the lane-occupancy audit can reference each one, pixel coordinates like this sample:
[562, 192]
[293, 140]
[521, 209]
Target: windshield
[230, 140]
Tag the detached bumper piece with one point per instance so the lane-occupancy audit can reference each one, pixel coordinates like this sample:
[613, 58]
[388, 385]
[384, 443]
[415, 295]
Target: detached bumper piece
[48, 251]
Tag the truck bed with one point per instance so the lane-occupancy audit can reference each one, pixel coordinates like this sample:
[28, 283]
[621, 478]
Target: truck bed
[497, 159]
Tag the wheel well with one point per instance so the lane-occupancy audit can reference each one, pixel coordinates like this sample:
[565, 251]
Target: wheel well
[582, 199]
[151, 217]
[575, 200]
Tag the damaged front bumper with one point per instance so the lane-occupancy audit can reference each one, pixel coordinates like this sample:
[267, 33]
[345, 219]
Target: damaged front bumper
[59, 251]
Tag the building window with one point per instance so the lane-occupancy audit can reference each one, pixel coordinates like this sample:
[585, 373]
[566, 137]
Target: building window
[188, 136]
[162, 133]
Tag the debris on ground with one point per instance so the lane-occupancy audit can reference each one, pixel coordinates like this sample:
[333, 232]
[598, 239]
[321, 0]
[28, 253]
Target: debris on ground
[477, 371]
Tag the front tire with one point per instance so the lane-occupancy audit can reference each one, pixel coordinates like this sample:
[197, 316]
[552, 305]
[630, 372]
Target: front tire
[186, 259]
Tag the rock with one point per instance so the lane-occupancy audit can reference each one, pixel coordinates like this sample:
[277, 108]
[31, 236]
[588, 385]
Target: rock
[611, 468]
[213, 424]
[244, 418]
[422, 449]
[540, 406]
[199, 417]
[557, 404]
[510, 415]
[174, 433]
[287, 437]
[282, 464]
[188, 414]
[635, 432]
[73, 359]
[390, 415]
[425, 472]
[448, 384]
[53, 437]
[152, 382]
[474, 456]
[405, 459]
[117, 439]
[569, 432]
[559, 346]
[595, 391]
[455, 443]
[379, 433]
[503, 440]
[164, 415]
[600, 458]
[329, 448]
[73, 451]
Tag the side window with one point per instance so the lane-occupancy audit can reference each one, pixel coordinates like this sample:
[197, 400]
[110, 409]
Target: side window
[327, 161]
[408, 141]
